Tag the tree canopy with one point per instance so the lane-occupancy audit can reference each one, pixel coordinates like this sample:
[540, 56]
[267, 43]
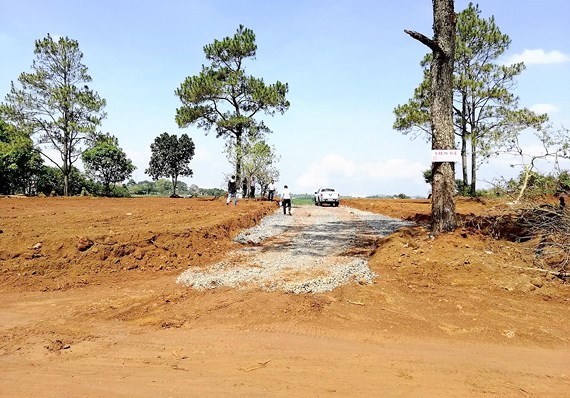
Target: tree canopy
[107, 163]
[54, 103]
[19, 162]
[259, 160]
[485, 109]
[222, 96]
[171, 158]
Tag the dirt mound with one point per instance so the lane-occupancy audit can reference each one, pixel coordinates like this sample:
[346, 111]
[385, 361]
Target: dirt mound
[57, 243]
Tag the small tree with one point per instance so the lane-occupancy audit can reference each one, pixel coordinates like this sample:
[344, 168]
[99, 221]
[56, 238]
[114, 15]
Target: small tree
[164, 186]
[107, 163]
[55, 103]
[258, 160]
[171, 158]
[50, 181]
[555, 145]
[428, 177]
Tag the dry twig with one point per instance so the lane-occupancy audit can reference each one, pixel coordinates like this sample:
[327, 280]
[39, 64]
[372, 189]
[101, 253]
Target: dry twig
[355, 302]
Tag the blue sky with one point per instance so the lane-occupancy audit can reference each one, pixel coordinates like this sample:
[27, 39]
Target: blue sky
[348, 65]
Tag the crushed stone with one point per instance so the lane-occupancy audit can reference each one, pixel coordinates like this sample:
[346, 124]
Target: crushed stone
[299, 254]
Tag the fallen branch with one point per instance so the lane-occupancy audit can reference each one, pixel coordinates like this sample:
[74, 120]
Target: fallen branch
[546, 271]
[255, 367]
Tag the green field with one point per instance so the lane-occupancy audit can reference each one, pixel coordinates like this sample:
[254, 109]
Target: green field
[302, 201]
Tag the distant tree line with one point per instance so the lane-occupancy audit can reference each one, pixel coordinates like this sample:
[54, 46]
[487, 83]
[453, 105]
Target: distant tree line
[528, 183]
[163, 187]
[53, 115]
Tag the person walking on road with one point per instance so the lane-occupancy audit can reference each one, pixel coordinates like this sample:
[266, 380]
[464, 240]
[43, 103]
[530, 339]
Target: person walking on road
[286, 200]
[232, 190]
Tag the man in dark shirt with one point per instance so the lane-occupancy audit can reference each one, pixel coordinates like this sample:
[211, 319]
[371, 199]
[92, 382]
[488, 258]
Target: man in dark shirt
[232, 190]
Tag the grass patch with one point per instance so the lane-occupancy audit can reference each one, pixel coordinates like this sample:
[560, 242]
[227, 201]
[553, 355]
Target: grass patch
[302, 201]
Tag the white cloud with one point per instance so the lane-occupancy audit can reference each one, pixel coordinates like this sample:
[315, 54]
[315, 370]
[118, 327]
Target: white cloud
[392, 169]
[334, 163]
[368, 177]
[539, 57]
[544, 108]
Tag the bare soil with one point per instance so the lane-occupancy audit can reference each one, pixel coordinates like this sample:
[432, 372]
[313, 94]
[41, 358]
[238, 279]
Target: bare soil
[89, 307]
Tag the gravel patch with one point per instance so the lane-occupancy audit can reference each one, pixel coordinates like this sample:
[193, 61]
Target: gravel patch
[303, 253]
[271, 225]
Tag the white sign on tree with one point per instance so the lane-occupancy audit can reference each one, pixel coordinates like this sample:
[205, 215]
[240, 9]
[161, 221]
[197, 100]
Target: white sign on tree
[445, 155]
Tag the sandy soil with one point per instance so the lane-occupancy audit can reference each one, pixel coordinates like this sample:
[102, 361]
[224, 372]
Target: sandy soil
[89, 308]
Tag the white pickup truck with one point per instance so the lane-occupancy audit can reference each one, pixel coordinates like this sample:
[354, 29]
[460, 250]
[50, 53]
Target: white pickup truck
[327, 195]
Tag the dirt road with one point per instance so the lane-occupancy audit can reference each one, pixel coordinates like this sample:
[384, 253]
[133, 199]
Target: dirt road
[445, 317]
[316, 251]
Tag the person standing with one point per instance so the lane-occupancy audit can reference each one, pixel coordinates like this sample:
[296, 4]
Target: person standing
[232, 190]
[286, 200]
[252, 187]
[271, 188]
[244, 187]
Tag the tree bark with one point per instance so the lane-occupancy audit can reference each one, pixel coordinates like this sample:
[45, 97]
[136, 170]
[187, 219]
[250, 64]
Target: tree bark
[238, 156]
[443, 217]
[474, 154]
[464, 137]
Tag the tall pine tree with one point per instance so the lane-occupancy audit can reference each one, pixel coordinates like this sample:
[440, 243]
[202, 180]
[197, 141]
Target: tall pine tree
[224, 97]
[484, 107]
[54, 103]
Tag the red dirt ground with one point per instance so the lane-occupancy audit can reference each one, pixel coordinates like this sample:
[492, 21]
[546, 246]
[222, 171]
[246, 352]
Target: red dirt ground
[90, 307]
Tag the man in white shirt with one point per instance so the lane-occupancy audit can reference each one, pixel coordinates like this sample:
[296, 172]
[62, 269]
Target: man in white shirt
[286, 200]
[271, 188]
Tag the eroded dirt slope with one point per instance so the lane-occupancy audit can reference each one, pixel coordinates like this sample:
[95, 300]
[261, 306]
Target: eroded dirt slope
[55, 243]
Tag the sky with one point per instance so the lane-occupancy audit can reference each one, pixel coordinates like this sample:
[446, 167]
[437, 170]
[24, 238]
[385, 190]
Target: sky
[348, 64]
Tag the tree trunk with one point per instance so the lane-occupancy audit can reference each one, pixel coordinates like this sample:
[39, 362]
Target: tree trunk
[174, 183]
[464, 136]
[527, 171]
[238, 156]
[472, 189]
[65, 183]
[66, 167]
[443, 217]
